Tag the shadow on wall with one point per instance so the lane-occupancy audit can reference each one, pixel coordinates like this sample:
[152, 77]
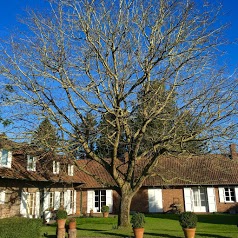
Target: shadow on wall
[233, 209]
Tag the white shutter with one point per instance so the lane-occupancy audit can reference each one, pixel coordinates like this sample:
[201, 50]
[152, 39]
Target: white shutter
[155, 200]
[187, 199]
[34, 163]
[109, 199]
[90, 200]
[236, 194]
[0, 158]
[37, 205]
[221, 194]
[2, 197]
[46, 201]
[23, 206]
[57, 200]
[9, 159]
[67, 202]
[75, 204]
[211, 199]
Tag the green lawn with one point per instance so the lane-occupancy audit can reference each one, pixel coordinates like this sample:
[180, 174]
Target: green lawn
[161, 225]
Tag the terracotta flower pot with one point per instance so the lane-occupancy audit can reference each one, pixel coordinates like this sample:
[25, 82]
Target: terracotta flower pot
[138, 232]
[72, 225]
[189, 232]
[105, 214]
[61, 223]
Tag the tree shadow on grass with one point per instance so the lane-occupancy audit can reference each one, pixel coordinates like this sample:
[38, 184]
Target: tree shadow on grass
[226, 219]
[161, 235]
[212, 236]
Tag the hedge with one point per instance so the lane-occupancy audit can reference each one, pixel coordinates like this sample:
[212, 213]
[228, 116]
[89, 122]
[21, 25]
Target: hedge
[18, 227]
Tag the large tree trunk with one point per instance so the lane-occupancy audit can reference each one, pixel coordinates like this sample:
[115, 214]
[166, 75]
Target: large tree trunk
[124, 209]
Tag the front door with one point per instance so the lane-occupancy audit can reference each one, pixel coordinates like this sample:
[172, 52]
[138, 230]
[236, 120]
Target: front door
[199, 197]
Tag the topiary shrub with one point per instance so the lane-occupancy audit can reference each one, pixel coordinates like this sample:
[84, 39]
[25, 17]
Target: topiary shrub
[61, 214]
[105, 208]
[188, 220]
[138, 220]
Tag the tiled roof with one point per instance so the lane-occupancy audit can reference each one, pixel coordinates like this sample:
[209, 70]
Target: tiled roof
[44, 169]
[172, 171]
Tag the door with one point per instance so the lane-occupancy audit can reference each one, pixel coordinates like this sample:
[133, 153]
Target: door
[199, 197]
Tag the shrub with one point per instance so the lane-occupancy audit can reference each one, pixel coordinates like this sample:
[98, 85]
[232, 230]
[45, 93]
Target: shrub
[105, 209]
[138, 220]
[61, 214]
[20, 227]
[188, 220]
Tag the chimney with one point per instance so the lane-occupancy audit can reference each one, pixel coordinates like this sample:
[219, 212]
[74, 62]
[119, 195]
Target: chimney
[234, 154]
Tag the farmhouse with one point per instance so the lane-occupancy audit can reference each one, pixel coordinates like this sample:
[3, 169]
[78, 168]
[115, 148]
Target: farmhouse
[200, 184]
[33, 183]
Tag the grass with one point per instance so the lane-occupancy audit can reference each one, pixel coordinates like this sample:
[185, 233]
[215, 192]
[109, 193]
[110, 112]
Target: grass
[160, 225]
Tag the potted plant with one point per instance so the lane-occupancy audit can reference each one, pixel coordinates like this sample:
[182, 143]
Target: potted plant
[72, 223]
[91, 212]
[105, 210]
[138, 222]
[188, 221]
[61, 216]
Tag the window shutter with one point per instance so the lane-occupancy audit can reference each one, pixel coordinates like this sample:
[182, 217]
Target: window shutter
[46, 201]
[57, 200]
[90, 200]
[23, 206]
[75, 204]
[34, 163]
[109, 200]
[2, 197]
[9, 159]
[211, 200]
[187, 199]
[37, 205]
[28, 167]
[67, 201]
[155, 200]
[236, 194]
[0, 158]
[221, 194]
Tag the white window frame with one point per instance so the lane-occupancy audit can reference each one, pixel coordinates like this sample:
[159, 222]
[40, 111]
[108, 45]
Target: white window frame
[229, 200]
[56, 167]
[31, 166]
[70, 169]
[51, 200]
[9, 158]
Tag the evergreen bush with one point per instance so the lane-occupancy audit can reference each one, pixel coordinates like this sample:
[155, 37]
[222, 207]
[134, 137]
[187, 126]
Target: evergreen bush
[188, 220]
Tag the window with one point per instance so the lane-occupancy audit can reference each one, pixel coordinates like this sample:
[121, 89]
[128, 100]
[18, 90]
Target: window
[100, 199]
[5, 158]
[56, 167]
[2, 197]
[52, 200]
[62, 199]
[71, 205]
[31, 163]
[31, 198]
[70, 170]
[229, 194]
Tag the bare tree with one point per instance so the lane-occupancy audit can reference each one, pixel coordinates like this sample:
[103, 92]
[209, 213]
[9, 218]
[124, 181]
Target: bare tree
[98, 55]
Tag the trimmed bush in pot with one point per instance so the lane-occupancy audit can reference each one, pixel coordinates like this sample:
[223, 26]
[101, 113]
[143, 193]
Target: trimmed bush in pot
[188, 221]
[138, 222]
[105, 210]
[61, 216]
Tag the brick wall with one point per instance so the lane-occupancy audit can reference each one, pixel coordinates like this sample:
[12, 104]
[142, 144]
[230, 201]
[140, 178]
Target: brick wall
[171, 196]
[225, 207]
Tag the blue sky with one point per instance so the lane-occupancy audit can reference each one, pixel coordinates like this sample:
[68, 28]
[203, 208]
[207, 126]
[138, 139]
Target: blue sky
[11, 10]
